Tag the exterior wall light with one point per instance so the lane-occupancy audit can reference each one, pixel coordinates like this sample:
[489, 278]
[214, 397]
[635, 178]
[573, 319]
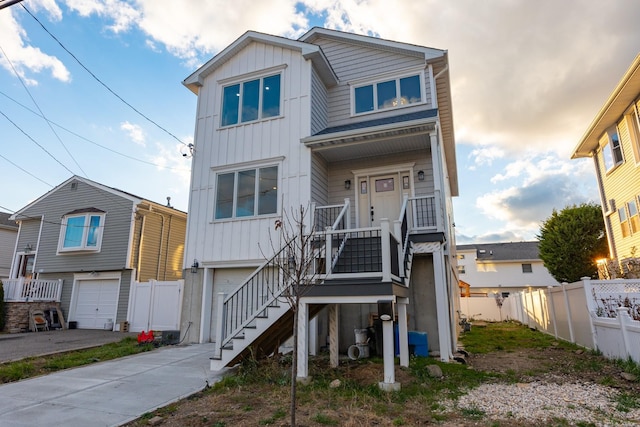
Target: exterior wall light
[194, 266]
[420, 175]
[347, 184]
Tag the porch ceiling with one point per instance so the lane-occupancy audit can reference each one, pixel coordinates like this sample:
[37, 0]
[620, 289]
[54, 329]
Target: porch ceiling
[339, 147]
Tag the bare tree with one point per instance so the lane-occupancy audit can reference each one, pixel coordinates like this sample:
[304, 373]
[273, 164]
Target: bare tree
[298, 270]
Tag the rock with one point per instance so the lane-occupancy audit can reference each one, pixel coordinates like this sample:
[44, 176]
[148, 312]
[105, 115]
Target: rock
[579, 351]
[629, 377]
[434, 371]
[335, 384]
[155, 420]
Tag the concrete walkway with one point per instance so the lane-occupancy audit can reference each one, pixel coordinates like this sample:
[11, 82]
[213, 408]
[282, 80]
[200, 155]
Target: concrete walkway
[108, 393]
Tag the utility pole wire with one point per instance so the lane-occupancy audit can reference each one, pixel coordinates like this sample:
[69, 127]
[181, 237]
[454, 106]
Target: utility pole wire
[7, 3]
[100, 81]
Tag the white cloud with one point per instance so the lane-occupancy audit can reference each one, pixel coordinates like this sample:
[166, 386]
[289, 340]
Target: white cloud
[135, 132]
[17, 56]
[485, 155]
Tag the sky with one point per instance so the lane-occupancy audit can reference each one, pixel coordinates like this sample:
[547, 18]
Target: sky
[93, 88]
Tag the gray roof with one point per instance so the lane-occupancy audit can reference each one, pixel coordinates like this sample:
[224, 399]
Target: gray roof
[5, 222]
[424, 114]
[512, 251]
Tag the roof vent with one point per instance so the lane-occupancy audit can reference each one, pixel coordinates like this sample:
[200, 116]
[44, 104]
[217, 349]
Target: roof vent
[74, 186]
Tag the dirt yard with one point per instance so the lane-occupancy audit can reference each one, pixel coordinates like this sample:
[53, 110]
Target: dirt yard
[268, 404]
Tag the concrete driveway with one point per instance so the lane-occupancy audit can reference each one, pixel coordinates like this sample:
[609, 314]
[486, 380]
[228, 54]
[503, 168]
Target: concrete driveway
[27, 344]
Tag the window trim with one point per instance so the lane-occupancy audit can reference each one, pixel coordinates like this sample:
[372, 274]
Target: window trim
[624, 224]
[260, 76]
[612, 150]
[529, 268]
[256, 206]
[382, 79]
[85, 233]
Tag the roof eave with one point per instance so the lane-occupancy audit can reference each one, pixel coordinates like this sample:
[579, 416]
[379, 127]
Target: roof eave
[622, 96]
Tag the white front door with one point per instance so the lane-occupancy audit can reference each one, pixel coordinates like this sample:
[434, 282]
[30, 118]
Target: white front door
[96, 302]
[380, 197]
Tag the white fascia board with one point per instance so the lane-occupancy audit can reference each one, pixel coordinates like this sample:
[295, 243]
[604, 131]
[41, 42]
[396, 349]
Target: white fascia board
[196, 79]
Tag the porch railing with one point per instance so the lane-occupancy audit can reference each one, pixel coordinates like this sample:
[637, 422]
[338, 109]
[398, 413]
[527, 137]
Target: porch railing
[424, 213]
[25, 290]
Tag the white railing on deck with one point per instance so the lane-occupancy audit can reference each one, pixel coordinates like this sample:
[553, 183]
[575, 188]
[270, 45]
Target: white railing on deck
[25, 290]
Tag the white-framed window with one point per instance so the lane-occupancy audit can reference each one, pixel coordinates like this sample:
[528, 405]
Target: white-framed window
[625, 227]
[461, 269]
[388, 93]
[612, 150]
[246, 193]
[527, 268]
[634, 218]
[251, 100]
[81, 232]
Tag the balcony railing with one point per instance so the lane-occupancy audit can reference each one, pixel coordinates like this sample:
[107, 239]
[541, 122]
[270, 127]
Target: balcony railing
[26, 290]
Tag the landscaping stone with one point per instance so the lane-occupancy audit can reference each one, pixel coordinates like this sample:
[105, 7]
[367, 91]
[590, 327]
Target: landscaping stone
[434, 371]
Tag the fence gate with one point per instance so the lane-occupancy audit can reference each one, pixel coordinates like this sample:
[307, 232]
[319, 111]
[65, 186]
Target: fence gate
[155, 305]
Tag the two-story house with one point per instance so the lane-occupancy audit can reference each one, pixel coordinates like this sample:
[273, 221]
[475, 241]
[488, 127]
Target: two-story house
[359, 132]
[501, 268]
[612, 140]
[84, 245]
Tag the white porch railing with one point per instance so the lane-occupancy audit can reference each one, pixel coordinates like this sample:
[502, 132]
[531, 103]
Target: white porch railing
[26, 290]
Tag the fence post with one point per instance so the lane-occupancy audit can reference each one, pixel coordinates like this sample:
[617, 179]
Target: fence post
[568, 307]
[220, 316]
[328, 251]
[397, 230]
[591, 308]
[553, 311]
[386, 250]
[347, 221]
[623, 318]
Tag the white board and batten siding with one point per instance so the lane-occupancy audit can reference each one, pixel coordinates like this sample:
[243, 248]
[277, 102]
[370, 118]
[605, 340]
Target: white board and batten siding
[268, 142]
[355, 62]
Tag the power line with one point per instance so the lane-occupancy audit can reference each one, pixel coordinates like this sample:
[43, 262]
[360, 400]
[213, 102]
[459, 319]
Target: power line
[7, 3]
[26, 171]
[100, 81]
[36, 142]
[41, 112]
[90, 141]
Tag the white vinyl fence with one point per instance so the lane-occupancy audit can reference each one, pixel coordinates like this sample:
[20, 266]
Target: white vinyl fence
[155, 305]
[596, 314]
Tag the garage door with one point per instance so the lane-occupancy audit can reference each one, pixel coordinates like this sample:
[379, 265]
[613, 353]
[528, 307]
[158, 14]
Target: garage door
[96, 303]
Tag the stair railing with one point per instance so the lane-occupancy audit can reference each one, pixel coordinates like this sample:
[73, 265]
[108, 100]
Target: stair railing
[252, 298]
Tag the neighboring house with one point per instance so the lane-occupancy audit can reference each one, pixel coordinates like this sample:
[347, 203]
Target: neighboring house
[355, 128]
[613, 142]
[8, 234]
[501, 268]
[88, 243]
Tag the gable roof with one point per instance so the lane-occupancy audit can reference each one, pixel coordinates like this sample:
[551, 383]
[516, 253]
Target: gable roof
[624, 94]
[502, 252]
[6, 223]
[308, 51]
[135, 200]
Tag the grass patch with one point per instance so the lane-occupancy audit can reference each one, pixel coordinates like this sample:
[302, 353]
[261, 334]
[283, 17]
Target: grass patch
[508, 336]
[34, 366]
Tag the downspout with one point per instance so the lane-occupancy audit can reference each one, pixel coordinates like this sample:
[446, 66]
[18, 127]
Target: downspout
[604, 204]
[166, 255]
[161, 241]
[140, 237]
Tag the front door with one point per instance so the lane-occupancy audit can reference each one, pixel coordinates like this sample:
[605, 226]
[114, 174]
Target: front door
[380, 197]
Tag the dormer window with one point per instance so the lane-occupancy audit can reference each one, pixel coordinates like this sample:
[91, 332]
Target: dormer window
[251, 100]
[81, 231]
[386, 94]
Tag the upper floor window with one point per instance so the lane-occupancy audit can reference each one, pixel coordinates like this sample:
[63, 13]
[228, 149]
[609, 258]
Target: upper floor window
[246, 193]
[527, 268]
[611, 150]
[624, 222]
[251, 100]
[81, 232]
[392, 93]
[634, 219]
[461, 269]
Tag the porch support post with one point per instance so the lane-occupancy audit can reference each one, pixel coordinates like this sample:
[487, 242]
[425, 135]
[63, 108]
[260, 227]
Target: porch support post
[386, 250]
[313, 336]
[389, 383]
[333, 335]
[442, 305]
[403, 333]
[303, 341]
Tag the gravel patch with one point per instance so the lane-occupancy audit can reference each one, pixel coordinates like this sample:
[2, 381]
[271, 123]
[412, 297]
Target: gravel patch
[537, 401]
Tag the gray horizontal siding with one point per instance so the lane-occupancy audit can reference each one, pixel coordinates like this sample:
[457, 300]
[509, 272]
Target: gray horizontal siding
[319, 180]
[55, 205]
[318, 104]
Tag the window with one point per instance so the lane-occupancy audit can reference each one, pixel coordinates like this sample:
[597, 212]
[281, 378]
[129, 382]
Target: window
[251, 100]
[634, 219]
[81, 232]
[624, 223]
[247, 193]
[611, 150]
[461, 256]
[387, 94]
[461, 269]
[527, 268]
[633, 124]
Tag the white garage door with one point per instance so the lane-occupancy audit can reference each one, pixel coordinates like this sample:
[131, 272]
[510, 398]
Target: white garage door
[96, 303]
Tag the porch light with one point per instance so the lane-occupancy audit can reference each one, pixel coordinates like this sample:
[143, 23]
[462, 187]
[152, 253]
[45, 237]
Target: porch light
[27, 248]
[347, 184]
[194, 266]
[420, 175]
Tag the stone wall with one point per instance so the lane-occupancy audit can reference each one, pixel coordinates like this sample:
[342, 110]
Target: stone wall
[17, 314]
